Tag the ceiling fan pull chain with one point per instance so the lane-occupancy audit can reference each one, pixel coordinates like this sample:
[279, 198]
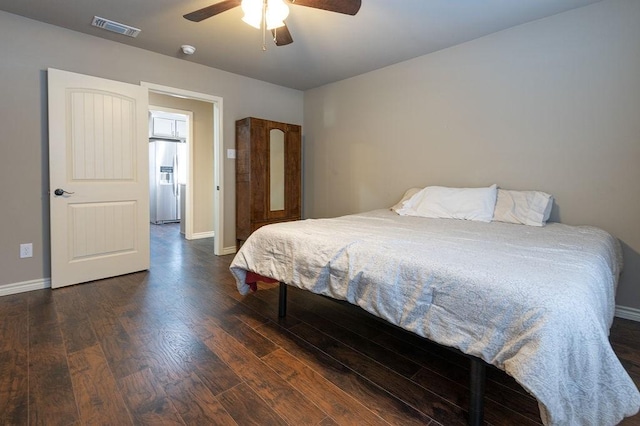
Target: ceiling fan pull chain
[264, 26]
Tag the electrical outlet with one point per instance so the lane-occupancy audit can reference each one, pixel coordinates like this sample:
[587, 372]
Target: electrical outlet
[26, 250]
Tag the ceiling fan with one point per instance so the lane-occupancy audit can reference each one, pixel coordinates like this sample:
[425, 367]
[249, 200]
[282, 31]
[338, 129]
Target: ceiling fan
[281, 34]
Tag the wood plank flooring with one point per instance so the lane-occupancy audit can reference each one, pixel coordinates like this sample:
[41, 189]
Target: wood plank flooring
[178, 345]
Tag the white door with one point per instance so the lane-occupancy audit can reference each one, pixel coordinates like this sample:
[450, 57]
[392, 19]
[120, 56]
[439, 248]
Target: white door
[98, 155]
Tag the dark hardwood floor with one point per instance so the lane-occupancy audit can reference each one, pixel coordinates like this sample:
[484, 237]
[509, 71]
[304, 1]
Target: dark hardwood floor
[179, 345]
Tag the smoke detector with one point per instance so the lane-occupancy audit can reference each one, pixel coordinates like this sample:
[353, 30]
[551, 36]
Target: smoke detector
[187, 49]
[116, 27]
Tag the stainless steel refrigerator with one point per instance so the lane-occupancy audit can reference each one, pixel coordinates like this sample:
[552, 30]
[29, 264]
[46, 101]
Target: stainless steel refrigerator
[165, 159]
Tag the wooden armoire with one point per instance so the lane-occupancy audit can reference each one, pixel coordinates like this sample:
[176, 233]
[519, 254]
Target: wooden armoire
[268, 174]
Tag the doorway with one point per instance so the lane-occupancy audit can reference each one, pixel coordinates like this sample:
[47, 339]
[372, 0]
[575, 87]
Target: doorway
[216, 162]
[170, 187]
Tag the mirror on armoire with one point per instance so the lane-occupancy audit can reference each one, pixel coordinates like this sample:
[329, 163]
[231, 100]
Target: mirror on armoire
[276, 170]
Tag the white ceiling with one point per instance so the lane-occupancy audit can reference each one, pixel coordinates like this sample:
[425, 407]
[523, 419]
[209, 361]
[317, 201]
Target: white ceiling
[327, 46]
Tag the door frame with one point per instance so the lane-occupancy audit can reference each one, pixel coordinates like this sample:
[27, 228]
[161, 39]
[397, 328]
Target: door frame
[218, 163]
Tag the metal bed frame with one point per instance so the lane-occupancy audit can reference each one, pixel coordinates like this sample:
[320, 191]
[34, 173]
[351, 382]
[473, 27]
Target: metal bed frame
[477, 375]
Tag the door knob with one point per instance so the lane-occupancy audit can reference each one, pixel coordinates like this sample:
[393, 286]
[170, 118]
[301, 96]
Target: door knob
[60, 192]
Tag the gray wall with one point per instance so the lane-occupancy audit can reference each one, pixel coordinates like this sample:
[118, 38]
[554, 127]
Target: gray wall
[27, 49]
[553, 105]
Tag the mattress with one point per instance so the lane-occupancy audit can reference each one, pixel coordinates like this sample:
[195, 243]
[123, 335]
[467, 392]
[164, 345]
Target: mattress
[535, 302]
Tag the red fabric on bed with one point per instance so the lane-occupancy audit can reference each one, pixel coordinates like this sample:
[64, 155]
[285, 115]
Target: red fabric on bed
[252, 280]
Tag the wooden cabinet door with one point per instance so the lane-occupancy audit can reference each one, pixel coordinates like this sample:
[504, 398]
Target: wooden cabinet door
[293, 172]
[259, 170]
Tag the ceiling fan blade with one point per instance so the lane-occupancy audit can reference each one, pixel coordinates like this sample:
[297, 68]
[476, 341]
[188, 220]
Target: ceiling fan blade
[214, 9]
[282, 36]
[348, 7]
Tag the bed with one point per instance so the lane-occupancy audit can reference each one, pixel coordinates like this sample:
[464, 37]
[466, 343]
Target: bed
[536, 302]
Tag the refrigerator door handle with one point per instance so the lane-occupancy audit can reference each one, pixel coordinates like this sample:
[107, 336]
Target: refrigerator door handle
[175, 175]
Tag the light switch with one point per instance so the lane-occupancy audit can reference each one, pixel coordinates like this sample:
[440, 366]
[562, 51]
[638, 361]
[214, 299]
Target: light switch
[231, 153]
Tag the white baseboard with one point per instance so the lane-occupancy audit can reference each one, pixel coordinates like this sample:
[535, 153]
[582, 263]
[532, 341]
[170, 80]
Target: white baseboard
[625, 312]
[229, 250]
[201, 235]
[23, 286]
[225, 250]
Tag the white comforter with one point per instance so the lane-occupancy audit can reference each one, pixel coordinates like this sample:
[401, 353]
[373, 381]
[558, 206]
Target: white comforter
[535, 302]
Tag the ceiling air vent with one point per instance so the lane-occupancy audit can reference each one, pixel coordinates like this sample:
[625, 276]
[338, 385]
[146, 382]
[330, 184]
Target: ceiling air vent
[115, 27]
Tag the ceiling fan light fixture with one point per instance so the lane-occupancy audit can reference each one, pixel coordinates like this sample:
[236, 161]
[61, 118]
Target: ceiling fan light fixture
[252, 12]
[254, 21]
[274, 25]
[274, 12]
[277, 11]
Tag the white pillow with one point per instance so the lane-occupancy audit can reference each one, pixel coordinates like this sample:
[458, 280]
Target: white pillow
[408, 194]
[452, 203]
[523, 207]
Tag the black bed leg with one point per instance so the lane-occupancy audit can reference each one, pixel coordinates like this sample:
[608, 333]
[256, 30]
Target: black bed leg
[282, 302]
[476, 398]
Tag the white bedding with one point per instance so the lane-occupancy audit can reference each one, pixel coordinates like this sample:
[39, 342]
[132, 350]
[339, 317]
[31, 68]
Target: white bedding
[535, 302]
